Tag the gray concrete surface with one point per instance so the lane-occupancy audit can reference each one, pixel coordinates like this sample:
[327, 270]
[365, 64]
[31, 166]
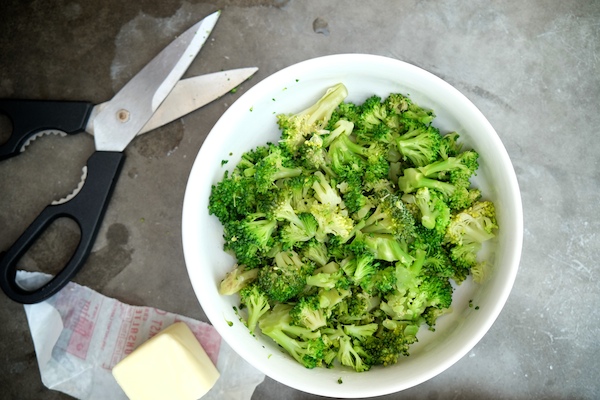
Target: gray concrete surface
[533, 68]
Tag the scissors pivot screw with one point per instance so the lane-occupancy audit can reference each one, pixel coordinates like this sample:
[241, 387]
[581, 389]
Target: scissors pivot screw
[123, 115]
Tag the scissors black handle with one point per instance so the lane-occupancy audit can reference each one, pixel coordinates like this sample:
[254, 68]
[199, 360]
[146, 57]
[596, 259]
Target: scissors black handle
[87, 209]
[29, 117]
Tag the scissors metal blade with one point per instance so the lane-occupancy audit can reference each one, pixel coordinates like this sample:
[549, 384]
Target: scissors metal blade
[188, 95]
[131, 108]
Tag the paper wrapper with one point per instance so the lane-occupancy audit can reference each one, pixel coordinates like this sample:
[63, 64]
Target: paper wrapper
[79, 335]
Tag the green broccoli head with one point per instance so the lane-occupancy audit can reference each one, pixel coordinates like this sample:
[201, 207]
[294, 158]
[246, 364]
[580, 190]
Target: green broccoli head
[382, 281]
[250, 239]
[286, 278]
[232, 198]
[256, 303]
[387, 247]
[435, 213]
[277, 165]
[457, 191]
[391, 216]
[304, 345]
[236, 279]
[308, 312]
[296, 128]
[352, 355]
[466, 233]
[420, 144]
[387, 345]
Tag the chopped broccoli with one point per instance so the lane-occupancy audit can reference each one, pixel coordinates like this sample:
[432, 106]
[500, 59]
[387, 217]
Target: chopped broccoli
[361, 332]
[435, 213]
[420, 145]
[256, 302]
[390, 217]
[296, 128]
[351, 230]
[387, 247]
[307, 347]
[250, 238]
[316, 251]
[466, 233]
[275, 166]
[308, 312]
[331, 220]
[236, 279]
[387, 345]
[351, 355]
[286, 278]
[324, 192]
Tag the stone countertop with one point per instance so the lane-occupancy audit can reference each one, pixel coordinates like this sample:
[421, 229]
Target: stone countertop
[532, 68]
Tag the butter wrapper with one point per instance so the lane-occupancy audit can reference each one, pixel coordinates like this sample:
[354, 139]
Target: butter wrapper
[80, 335]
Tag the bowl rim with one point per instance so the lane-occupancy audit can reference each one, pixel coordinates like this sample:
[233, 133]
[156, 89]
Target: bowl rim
[514, 197]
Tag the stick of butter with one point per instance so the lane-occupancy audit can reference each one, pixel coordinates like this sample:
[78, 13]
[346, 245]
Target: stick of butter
[171, 365]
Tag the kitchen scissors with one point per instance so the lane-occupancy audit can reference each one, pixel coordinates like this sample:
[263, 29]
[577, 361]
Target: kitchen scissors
[152, 98]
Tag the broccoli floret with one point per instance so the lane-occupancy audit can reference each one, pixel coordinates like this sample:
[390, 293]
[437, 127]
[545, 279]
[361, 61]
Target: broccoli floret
[431, 315]
[463, 166]
[329, 280]
[353, 195]
[417, 113]
[237, 279]
[256, 302]
[468, 230]
[286, 278]
[397, 103]
[308, 312]
[449, 145]
[331, 220]
[481, 271]
[324, 191]
[361, 332]
[350, 158]
[346, 111]
[313, 155]
[329, 298]
[382, 281]
[305, 346]
[250, 238]
[344, 161]
[232, 198]
[475, 224]
[456, 190]
[361, 262]
[275, 166]
[297, 127]
[420, 145]
[299, 189]
[356, 308]
[299, 228]
[294, 234]
[387, 345]
[372, 113]
[435, 213]
[316, 252]
[351, 355]
[387, 247]
[415, 291]
[390, 217]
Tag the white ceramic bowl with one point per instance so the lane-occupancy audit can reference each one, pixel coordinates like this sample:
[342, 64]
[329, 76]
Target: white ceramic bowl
[251, 122]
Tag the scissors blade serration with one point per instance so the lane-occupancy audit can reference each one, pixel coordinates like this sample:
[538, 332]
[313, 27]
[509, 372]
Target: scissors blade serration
[131, 108]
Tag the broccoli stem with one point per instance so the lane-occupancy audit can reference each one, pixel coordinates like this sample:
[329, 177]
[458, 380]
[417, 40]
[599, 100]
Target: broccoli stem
[322, 110]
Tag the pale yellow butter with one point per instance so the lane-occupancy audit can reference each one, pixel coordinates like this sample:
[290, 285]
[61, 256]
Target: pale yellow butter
[171, 365]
